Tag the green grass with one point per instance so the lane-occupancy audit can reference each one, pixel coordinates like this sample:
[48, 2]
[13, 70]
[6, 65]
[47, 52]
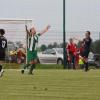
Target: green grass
[50, 85]
[38, 66]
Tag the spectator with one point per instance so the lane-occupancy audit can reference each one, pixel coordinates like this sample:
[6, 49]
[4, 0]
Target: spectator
[81, 62]
[71, 53]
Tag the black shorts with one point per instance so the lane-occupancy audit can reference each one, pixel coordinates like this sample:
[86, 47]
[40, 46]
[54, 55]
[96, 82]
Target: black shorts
[2, 55]
[85, 53]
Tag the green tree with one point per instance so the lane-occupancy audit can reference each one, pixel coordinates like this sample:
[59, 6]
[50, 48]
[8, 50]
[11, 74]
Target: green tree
[55, 45]
[43, 47]
[50, 46]
[96, 46]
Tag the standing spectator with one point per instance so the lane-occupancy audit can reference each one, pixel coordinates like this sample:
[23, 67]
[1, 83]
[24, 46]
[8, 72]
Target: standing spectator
[81, 62]
[71, 53]
[21, 54]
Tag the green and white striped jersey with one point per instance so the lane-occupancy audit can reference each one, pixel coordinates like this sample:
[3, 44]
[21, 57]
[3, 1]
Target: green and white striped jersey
[32, 42]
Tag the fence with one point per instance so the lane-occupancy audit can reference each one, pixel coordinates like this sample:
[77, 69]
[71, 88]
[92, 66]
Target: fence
[16, 36]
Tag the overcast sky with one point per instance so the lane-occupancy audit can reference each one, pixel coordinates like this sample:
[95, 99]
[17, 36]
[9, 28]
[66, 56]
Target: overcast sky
[81, 15]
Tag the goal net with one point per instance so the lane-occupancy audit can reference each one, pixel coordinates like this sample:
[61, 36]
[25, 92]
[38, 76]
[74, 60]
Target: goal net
[15, 34]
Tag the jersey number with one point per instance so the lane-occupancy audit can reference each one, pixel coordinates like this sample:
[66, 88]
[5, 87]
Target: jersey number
[3, 44]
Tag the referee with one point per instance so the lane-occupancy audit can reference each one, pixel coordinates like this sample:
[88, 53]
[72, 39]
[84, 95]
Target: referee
[86, 48]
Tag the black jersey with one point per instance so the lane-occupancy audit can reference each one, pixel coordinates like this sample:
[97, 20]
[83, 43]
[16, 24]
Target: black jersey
[3, 46]
[87, 43]
[3, 43]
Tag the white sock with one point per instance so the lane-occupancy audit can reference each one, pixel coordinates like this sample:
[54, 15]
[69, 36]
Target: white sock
[2, 71]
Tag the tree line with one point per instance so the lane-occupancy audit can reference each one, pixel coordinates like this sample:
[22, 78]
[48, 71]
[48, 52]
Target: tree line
[95, 47]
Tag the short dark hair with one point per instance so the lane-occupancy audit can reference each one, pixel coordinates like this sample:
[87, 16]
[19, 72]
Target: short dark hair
[2, 31]
[88, 32]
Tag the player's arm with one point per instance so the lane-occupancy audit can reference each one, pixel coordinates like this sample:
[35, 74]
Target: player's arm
[27, 30]
[78, 39]
[6, 47]
[45, 30]
[6, 44]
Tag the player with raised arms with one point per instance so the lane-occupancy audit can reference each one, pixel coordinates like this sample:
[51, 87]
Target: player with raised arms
[32, 41]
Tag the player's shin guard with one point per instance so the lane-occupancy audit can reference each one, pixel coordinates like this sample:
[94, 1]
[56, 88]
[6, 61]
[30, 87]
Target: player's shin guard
[32, 68]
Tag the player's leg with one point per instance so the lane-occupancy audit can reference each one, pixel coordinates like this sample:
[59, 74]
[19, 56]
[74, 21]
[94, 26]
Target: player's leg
[86, 65]
[33, 61]
[32, 67]
[24, 67]
[85, 58]
[2, 61]
[28, 64]
[1, 69]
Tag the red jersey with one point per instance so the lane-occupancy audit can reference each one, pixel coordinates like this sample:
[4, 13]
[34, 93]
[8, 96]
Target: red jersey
[72, 48]
[81, 49]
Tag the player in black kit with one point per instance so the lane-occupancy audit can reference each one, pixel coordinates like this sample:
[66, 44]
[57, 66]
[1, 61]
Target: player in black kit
[3, 46]
[86, 49]
[87, 46]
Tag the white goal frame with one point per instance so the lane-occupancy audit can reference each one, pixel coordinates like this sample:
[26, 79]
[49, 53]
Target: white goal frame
[17, 26]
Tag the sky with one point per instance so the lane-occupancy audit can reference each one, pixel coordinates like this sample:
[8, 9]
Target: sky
[81, 15]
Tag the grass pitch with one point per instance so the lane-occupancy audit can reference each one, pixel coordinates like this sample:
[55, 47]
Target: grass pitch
[50, 85]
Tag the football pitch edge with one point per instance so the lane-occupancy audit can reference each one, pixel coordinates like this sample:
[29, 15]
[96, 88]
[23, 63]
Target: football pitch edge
[50, 85]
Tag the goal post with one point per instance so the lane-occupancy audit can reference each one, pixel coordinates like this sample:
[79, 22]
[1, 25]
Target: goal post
[15, 30]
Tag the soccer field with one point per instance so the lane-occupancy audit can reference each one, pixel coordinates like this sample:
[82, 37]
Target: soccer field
[50, 85]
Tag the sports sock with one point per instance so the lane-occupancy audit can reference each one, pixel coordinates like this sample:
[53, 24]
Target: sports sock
[26, 66]
[32, 68]
[0, 68]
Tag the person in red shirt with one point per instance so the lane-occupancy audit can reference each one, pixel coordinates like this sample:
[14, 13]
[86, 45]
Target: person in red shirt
[71, 53]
